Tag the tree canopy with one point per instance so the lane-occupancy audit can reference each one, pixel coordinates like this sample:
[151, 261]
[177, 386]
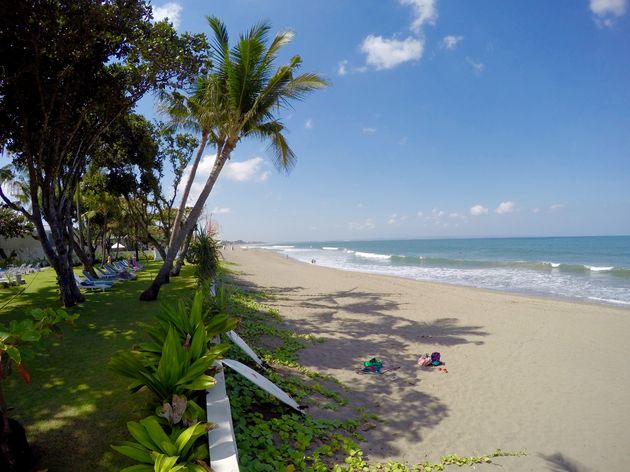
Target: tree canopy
[68, 70]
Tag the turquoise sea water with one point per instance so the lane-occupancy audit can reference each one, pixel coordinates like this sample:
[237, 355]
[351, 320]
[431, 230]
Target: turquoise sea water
[584, 268]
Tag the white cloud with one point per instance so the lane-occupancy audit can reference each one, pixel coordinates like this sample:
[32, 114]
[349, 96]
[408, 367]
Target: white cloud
[385, 53]
[556, 206]
[393, 219]
[309, 124]
[420, 214]
[424, 11]
[478, 210]
[505, 207]
[342, 67]
[363, 225]
[221, 211]
[604, 8]
[246, 171]
[451, 42]
[170, 11]
[605, 12]
[368, 130]
[478, 67]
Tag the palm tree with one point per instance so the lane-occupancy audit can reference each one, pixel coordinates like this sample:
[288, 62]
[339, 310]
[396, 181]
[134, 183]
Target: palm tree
[239, 98]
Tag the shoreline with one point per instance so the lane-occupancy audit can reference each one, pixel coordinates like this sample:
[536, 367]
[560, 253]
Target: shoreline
[524, 373]
[558, 298]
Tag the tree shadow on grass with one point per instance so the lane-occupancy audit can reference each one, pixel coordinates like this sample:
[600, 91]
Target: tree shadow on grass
[76, 408]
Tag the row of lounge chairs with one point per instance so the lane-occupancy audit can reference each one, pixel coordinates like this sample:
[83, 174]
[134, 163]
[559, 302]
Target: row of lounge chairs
[13, 275]
[107, 275]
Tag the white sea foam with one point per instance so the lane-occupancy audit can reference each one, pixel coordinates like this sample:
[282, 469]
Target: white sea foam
[599, 269]
[607, 300]
[553, 265]
[370, 255]
[329, 248]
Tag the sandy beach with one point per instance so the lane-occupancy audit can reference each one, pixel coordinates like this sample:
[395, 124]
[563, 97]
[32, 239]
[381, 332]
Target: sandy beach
[545, 376]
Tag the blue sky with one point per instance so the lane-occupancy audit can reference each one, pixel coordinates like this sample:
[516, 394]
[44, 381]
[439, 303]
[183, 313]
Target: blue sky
[444, 119]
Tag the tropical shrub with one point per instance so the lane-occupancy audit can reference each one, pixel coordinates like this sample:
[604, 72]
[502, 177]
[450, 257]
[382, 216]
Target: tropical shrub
[204, 253]
[161, 452]
[175, 366]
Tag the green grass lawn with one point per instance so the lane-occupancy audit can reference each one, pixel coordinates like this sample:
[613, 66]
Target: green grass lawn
[75, 407]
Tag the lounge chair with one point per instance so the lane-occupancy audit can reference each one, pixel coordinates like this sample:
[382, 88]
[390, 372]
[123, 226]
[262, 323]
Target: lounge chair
[120, 272]
[92, 278]
[106, 275]
[88, 285]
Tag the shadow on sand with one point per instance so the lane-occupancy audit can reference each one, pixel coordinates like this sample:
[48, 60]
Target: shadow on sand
[355, 326]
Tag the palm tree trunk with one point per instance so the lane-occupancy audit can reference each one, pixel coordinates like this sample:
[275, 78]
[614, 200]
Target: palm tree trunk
[182, 206]
[182, 254]
[152, 292]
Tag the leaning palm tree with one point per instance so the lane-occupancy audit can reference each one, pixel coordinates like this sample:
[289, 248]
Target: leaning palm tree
[239, 98]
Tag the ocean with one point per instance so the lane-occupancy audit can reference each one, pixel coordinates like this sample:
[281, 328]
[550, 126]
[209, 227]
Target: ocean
[595, 269]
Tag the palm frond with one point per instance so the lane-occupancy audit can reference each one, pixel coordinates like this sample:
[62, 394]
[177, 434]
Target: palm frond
[282, 154]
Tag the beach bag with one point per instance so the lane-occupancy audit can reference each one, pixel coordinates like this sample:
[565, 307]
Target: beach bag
[424, 361]
[435, 358]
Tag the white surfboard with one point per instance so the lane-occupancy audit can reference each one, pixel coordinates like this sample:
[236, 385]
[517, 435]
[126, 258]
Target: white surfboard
[236, 339]
[264, 383]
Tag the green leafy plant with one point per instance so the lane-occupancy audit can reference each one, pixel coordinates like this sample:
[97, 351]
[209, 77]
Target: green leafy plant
[186, 321]
[181, 367]
[177, 360]
[204, 253]
[158, 451]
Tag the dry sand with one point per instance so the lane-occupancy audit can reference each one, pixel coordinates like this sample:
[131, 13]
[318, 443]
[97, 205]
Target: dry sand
[551, 377]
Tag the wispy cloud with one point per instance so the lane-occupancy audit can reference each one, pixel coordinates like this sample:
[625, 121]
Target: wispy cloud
[556, 206]
[451, 42]
[383, 53]
[368, 130]
[342, 67]
[309, 124]
[505, 207]
[393, 219]
[478, 67]
[425, 11]
[605, 12]
[221, 211]
[362, 225]
[170, 11]
[478, 210]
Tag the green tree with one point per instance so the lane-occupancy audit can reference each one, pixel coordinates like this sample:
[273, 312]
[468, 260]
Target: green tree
[68, 69]
[133, 156]
[239, 98]
[13, 224]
